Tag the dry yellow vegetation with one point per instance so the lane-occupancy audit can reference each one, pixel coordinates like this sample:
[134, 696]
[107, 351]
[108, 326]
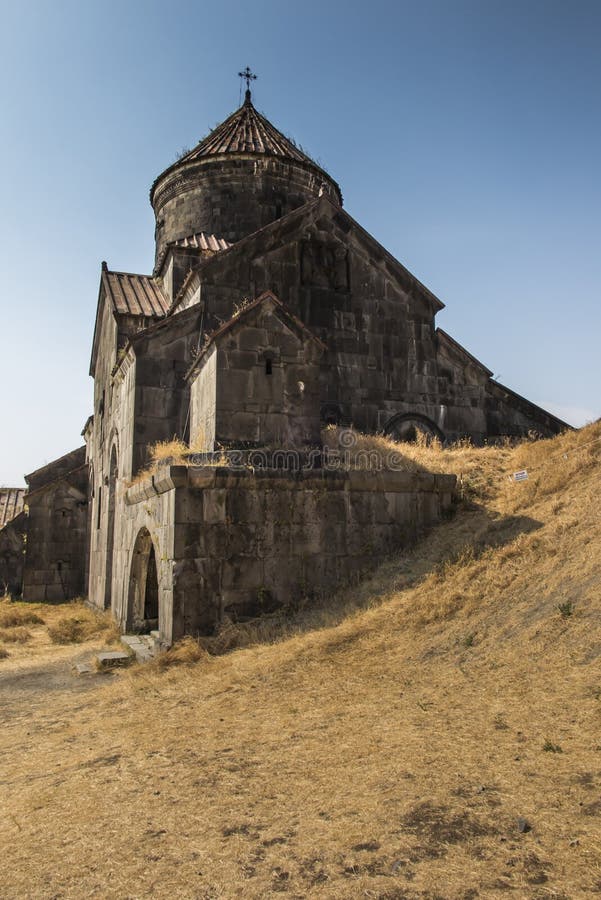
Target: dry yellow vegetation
[433, 732]
[65, 623]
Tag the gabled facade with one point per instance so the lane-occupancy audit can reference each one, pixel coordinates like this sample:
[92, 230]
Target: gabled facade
[57, 530]
[256, 382]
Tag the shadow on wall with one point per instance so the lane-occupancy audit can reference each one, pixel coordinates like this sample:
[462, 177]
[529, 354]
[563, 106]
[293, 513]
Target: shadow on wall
[472, 533]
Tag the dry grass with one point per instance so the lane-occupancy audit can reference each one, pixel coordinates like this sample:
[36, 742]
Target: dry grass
[49, 626]
[83, 624]
[15, 635]
[184, 653]
[388, 753]
[13, 614]
[175, 452]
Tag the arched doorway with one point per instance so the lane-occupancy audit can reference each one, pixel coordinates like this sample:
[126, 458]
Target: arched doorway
[408, 427]
[110, 533]
[151, 591]
[143, 593]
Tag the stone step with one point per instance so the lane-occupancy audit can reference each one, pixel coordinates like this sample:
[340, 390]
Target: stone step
[112, 658]
[143, 646]
[144, 654]
[84, 668]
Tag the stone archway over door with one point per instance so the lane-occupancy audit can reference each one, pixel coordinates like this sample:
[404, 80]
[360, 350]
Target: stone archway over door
[110, 534]
[408, 427]
[143, 592]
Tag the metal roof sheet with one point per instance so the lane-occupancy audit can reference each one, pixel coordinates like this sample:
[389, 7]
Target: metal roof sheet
[11, 504]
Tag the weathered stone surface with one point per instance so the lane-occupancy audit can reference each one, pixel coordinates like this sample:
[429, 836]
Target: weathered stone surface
[55, 567]
[112, 659]
[12, 554]
[308, 532]
[84, 669]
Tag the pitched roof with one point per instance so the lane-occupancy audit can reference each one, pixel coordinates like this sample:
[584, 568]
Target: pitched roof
[134, 295]
[202, 241]
[11, 504]
[455, 345]
[270, 236]
[57, 469]
[207, 244]
[267, 297]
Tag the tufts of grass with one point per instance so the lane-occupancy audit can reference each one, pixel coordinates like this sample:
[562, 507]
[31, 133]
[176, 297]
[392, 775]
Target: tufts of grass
[174, 450]
[4, 654]
[183, 653]
[550, 747]
[83, 625]
[15, 635]
[13, 617]
[566, 609]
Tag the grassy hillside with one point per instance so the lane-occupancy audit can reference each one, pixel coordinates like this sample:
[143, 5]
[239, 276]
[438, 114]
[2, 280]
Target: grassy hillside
[434, 732]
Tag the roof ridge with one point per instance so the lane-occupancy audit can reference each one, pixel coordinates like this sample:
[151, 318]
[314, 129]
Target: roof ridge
[242, 312]
[132, 274]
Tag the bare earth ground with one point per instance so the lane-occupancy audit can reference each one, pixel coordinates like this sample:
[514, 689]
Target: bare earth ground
[386, 751]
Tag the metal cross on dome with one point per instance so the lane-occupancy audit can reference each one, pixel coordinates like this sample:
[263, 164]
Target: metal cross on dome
[248, 77]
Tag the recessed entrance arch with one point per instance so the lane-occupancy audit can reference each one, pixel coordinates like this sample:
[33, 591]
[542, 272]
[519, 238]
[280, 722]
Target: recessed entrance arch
[407, 427]
[143, 592]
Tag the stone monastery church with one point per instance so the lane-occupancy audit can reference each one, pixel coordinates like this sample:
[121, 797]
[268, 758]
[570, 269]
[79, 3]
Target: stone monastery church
[270, 313]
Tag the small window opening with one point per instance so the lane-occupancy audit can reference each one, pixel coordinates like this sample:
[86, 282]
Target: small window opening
[99, 508]
[59, 566]
[268, 367]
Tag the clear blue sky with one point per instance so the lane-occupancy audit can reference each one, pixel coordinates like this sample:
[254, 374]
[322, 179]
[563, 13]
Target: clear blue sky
[465, 135]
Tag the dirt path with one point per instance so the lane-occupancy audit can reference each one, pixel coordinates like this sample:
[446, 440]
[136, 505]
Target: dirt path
[36, 685]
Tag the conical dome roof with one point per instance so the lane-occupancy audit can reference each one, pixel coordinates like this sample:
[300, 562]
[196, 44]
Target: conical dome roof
[244, 175]
[246, 131]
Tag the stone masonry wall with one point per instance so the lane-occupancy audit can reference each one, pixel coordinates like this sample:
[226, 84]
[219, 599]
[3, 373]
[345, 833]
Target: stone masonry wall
[259, 384]
[12, 554]
[237, 543]
[55, 557]
[385, 357]
[233, 197]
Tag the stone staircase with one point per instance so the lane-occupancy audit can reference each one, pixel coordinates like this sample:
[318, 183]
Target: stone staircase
[143, 646]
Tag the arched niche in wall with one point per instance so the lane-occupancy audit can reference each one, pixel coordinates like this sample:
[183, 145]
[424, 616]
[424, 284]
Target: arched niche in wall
[407, 428]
